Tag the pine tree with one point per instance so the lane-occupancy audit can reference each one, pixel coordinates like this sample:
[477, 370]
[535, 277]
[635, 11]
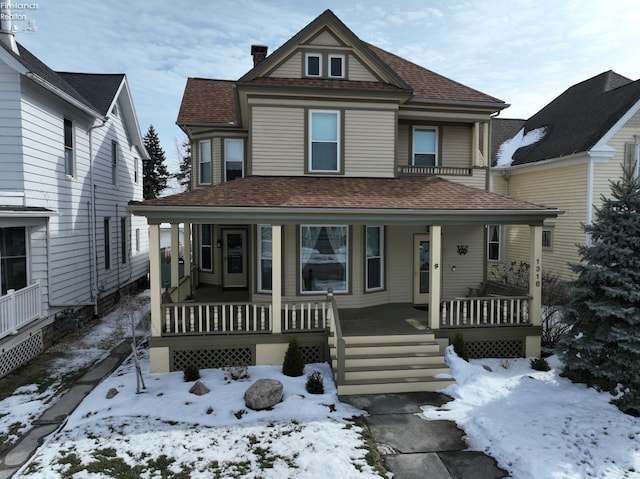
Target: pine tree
[602, 346]
[155, 171]
[184, 175]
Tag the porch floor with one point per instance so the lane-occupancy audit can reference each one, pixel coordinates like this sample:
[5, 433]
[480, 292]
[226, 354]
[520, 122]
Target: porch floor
[385, 319]
[207, 292]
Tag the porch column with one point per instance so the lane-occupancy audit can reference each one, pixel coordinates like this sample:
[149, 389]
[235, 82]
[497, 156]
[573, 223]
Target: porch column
[535, 274]
[175, 256]
[154, 279]
[276, 279]
[435, 262]
[187, 248]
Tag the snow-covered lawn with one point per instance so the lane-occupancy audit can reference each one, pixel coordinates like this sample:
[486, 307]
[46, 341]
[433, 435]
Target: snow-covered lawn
[537, 424]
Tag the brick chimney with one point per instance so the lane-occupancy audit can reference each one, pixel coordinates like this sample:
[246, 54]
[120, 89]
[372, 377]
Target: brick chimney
[259, 52]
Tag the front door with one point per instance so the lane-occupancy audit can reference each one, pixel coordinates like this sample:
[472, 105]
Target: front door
[234, 257]
[421, 263]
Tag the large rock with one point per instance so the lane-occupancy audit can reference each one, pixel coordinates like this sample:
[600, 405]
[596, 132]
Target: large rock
[199, 389]
[264, 394]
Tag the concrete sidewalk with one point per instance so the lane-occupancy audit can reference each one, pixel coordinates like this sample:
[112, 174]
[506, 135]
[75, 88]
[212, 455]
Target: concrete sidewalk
[54, 417]
[414, 448]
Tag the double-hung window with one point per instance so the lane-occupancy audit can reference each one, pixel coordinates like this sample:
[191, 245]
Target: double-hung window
[124, 250]
[425, 146]
[206, 247]
[313, 65]
[68, 148]
[493, 243]
[13, 258]
[324, 141]
[336, 66]
[114, 163]
[204, 160]
[107, 243]
[374, 258]
[233, 159]
[264, 258]
[324, 258]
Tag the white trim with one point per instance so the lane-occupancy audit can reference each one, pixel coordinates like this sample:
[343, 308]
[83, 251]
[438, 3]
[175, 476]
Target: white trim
[306, 64]
[343, 65]
[590, 199]
[338, 141]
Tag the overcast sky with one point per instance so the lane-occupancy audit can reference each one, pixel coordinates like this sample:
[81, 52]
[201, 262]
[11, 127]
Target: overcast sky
[524, 52]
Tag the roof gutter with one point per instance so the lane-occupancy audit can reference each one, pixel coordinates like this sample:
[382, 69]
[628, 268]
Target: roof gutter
[68, 98]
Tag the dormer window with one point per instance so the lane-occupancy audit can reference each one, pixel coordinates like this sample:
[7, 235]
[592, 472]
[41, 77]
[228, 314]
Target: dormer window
[336, 66]
[313, 64]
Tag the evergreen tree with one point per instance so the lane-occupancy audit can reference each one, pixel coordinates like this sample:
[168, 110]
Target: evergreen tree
[602, 345]
[155, 171]
[183, 176]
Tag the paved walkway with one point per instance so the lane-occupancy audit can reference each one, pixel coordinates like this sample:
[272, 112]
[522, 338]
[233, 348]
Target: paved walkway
[56, 415]
[414, 448]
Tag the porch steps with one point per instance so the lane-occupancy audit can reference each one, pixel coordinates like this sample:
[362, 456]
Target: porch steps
[394, 363]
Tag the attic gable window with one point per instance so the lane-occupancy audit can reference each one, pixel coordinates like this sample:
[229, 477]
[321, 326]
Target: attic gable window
[313, 65]
[336, 66]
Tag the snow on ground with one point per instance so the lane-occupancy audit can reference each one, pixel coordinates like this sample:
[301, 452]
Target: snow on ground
[537, 424]
[81, 350]
[214, 435]
[506, 151]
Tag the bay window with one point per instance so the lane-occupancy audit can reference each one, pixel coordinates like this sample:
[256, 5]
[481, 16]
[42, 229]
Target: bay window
[204, 160]
[233, 159]
[324, 258]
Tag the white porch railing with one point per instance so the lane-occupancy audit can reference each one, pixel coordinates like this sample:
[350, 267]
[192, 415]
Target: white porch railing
[247, 318]
[434, 170]
[18, 308]
[485, 311]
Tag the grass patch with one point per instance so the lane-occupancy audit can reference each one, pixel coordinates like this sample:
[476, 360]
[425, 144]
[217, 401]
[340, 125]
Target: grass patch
[372, 456]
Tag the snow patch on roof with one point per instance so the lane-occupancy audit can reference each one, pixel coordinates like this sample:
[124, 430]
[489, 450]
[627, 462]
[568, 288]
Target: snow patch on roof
[509, 147]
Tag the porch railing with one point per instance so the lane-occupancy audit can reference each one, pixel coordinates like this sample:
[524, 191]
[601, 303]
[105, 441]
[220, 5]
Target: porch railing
[484, 311]
[339, 345]
[247, 318]
[434, 170]
[19, 308]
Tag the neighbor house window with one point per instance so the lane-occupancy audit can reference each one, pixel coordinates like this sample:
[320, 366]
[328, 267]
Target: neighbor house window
[233, 159]
[374, 257]
[425, 146]
[336, 66]
[204, 160]
[493, 243]
[123, 240]
[107, 243]
[206, 247]
[135, 170]
[68, 148]
[264, 258]
[313, 65]
[137, 240]
[114, 163]
[324, 141]
[324, 258]
[13, 258]
[547, 238]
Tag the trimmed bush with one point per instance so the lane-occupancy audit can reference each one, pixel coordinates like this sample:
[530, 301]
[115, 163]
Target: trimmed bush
[314, 383]
[191, 373]
[293, 365]
[539, 364]
[459, 346]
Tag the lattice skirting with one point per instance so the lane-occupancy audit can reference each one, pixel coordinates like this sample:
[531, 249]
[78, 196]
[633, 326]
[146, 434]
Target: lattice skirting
[21, 353]
[496, 348]
[219, 358]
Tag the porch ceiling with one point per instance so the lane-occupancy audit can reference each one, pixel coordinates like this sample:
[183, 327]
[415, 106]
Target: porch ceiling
[319, 199]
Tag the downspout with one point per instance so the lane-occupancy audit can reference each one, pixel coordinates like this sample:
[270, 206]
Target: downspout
[92, 224]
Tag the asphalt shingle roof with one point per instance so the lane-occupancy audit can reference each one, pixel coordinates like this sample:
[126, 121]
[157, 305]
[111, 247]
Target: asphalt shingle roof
[98, 88]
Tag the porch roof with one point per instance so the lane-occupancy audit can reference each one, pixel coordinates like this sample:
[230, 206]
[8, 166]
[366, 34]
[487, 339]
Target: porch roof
[257, 199]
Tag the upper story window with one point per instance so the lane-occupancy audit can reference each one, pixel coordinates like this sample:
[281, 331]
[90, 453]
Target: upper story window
[68, 148]
[204, 160]
[114, 163]
[336, 66]
[425, 146]
[313, 65]
[324, 141]
[233, 159]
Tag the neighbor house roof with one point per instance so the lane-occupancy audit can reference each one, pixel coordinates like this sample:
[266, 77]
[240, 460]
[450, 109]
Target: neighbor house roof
[577, 119]
[502, 129]
[390, 196]
[202, 97]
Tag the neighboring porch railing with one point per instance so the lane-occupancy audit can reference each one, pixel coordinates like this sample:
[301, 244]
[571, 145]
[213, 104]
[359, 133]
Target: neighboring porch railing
[484, 311]
[247, 318]
[434, 170]
[18, 308]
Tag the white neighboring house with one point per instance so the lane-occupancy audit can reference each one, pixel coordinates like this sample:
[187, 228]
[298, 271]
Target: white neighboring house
[71, 155]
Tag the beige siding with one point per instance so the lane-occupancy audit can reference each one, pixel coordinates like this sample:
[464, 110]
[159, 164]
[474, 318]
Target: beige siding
[461, 272]
[403, 149]
[369, 143]
[325, 39]
[291, 68]
[400, 262]
[277, 142]
[358, 71]
[456, 146]
[564, 188]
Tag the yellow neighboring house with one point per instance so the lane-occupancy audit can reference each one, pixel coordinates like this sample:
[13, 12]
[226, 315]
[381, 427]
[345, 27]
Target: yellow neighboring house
[565, 155]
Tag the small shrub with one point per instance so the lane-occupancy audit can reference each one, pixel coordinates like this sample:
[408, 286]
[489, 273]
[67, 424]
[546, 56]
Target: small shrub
[314, 383]
[191, 373]
[459, 346]
[539, 364]
[293, 365]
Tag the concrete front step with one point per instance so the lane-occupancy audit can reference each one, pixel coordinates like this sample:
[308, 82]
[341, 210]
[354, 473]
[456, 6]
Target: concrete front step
[410, 384]
[396, 338]
[375, 349]
[383, 360]
[375, 373]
